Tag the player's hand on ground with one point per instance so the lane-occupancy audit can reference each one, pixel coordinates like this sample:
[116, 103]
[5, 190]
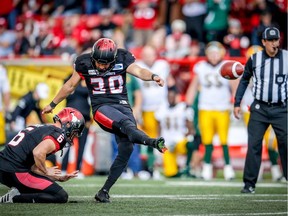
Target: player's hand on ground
[47, 109]
[66, 177]
[159, 81]
[236, 112]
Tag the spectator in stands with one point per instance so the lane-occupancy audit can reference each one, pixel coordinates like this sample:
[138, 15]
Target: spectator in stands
[194, 12]
[106, 26]
[144, 14]
[127, 28]
[67, 7]
[68, 40]
[178, 42]
[26, 104]
[92, 6]
[157, 41]
[236, 42]
[117, 6]
[197, 49]
[44, 41]
[93, 35]
[4, 102]
[167, 11]
[7, 39]
[22, 44]
[216, 21]
[265, 21]
[8, 9]
[31, 26]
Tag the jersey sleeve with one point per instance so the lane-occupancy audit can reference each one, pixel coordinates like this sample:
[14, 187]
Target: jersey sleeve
[82, 64]
[126, 57]
[58, 139]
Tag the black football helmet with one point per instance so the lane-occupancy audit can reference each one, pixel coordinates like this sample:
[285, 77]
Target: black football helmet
[72, 122]
[104, 51]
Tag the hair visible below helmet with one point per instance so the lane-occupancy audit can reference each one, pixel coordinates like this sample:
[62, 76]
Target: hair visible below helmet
[104, 51]
[215, 46]
[72, 123]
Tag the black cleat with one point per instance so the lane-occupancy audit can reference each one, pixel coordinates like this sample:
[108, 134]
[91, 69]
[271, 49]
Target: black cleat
[248, 190]
[160, 145]
[102, 196]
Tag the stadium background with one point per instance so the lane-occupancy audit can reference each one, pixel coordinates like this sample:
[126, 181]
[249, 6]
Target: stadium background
[24, 72]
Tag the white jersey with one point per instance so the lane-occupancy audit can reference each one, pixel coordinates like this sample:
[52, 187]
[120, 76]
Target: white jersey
[4, 84]
[215, 93]
[173, 122]
[154, 95]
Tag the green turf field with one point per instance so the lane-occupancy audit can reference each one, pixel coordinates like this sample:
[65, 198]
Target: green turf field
[162, 197]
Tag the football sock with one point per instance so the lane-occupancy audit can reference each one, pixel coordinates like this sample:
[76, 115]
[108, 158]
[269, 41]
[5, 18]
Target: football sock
[190, 149]
[208, 153]
[125, 150]
[226, 154]
[150, 160]
[273, 156]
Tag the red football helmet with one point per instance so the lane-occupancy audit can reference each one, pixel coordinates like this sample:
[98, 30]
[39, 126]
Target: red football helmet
[72, 122]
[104, 51]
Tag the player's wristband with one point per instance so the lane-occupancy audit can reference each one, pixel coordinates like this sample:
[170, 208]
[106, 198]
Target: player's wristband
[153, 75]
[53, 105]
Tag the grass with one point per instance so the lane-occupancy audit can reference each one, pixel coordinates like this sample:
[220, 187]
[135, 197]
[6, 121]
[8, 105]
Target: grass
[162, 197]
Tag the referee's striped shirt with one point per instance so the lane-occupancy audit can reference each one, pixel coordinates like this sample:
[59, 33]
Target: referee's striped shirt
[270, 76]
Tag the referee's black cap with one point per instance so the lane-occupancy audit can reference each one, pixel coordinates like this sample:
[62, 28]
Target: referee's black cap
[271, 33]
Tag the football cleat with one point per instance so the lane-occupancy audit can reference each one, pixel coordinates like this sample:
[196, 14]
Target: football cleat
[207, 172]
[159, 144]
[248, 190]
[102, 196]
[186, 173]
[276, 173]
[8, 197]
[229, 173]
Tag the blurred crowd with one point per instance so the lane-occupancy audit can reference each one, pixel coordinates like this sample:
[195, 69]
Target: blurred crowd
[177, 29]
[156, 32]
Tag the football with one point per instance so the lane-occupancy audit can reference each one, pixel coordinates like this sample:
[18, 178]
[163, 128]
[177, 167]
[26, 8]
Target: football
[231, 69]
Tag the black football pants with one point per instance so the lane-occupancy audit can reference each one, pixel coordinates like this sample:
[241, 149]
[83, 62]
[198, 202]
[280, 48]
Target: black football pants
[262, 115]
[119, 120]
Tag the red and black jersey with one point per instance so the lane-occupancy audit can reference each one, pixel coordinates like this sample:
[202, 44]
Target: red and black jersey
[18, 153]
[105, 88]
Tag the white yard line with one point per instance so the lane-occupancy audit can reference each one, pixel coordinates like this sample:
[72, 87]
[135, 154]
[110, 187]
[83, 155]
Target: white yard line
[222, 184]
[184, 184]
[239, 214]
[208, 196]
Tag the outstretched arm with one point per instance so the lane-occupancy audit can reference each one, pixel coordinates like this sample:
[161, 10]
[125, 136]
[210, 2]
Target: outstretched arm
[144, 74]
[192, 91]
[64, 92]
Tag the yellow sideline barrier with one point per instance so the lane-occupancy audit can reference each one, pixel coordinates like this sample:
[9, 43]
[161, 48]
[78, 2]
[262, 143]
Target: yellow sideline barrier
[24, 78]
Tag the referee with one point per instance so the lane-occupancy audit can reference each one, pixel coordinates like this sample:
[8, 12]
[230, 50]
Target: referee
[269, 72]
